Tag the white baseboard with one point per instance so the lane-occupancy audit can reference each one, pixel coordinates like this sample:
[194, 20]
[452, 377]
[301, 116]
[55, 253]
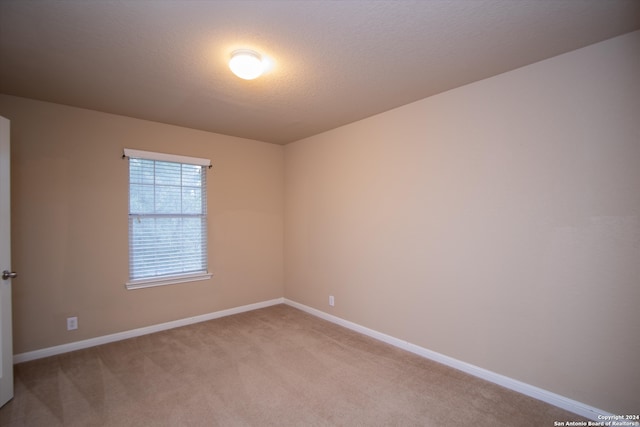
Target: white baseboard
[91, 342]
[510, 383]
[515, 385]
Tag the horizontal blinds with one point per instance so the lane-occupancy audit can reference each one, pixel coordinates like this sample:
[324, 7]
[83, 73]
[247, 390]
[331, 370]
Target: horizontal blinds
[167, 218]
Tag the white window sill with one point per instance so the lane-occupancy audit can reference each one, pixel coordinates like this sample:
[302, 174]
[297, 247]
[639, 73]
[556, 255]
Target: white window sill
[169, 280]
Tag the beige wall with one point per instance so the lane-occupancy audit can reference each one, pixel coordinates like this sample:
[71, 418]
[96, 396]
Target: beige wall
[69, 211]
[498, 223]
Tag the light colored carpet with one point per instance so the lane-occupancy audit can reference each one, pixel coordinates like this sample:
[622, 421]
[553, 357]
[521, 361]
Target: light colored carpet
[276, 366]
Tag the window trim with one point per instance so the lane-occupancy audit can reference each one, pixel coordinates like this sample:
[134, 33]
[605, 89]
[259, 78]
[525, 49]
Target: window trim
[164, 157]
[167, 280]
[180, 278]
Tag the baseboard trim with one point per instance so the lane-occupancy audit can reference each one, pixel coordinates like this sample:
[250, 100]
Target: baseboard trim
[551, 398]
[529, 390]
[105, 339]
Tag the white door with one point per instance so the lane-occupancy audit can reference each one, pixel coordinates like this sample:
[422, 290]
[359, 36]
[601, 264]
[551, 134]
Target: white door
[6, 343]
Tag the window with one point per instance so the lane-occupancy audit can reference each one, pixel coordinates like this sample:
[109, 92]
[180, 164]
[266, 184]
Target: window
[167, 219]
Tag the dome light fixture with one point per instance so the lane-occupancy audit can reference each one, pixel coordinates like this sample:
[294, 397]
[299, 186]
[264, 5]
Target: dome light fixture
[246, 64]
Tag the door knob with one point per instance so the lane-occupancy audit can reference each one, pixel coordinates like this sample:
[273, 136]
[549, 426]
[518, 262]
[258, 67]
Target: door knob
[6, 275]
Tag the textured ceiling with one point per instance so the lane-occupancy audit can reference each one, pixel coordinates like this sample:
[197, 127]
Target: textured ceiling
[334, 62]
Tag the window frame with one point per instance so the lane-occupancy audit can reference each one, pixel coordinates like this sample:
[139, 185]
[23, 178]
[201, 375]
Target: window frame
[147, 282]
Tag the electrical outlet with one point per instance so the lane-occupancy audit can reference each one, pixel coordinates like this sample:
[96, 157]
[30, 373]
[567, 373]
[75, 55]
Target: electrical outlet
[72, 323]
[331, 301]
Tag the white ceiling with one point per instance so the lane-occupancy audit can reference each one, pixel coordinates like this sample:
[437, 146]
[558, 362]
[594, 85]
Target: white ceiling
[334, 62]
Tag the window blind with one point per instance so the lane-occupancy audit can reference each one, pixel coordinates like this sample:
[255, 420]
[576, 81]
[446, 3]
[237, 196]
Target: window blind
[167, 218]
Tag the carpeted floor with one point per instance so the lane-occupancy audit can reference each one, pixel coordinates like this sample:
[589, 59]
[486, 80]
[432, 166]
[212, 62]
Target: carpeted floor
[276, 366]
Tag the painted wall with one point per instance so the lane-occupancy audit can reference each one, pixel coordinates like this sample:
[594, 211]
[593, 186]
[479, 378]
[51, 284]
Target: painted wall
[70, 232]
[497, 223]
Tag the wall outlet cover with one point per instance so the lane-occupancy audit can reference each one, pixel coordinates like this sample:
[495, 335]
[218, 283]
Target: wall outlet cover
[72, 323]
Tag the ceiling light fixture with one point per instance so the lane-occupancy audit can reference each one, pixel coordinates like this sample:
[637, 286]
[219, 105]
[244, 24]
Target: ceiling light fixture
[246, 64]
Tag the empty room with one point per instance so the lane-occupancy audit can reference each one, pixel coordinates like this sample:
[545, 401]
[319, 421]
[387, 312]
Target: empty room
[320, 213]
